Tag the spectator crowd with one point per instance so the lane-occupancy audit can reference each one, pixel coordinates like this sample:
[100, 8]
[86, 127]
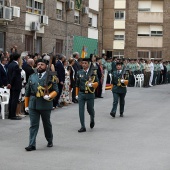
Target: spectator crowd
[15, 70]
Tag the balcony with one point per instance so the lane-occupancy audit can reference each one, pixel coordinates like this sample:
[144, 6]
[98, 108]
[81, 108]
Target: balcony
[119, 44]
[119, 24]
[120, 4]
[149, 42]
[150, 17]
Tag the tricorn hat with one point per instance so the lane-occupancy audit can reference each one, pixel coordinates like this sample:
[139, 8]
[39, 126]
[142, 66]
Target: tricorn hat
[119, 63]
[86, 59]
[43, 61]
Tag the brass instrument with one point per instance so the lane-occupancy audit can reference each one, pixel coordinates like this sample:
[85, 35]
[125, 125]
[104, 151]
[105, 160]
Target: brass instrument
[87, 88]
[91, 79]
[119, 84]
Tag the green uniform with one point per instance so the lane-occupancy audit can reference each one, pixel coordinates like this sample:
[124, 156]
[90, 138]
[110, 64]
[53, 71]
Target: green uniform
[133, 67]
[86, 94]
[142, 65]
[109, 66]
[127, 67]
[38, 106]
[159, 73]
[114, 66]
[119, 91]
[136, 68]
[103, 63]
[168, 73]
[155, 74]
[131, 74]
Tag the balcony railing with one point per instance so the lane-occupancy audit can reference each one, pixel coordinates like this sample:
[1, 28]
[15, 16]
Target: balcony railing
[150, 17]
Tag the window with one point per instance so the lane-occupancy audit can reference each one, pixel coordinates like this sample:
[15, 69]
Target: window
[143, 35]
[29, 43]
[38, 45]
[119, 37]
[76, 17]
[29, 6]
[120, 15]
[37, 7]
[156, 30]
[2, 41]
[144, 9]
[150, 6]
[1, 12]
[143, 30]
[118, 54]
[156, 33]
[152, 30]
[59, 14]
[59, 46]
[143, 54]
[144, 6]
[34, 6]
[2, 2]
[92, 20]
[59, 10]
[156, 54]
[149, 54]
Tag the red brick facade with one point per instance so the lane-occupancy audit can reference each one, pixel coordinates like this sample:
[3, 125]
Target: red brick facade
[15, 32]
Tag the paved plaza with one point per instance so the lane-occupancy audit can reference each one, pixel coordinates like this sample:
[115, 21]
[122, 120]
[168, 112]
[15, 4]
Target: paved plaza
[139, 141]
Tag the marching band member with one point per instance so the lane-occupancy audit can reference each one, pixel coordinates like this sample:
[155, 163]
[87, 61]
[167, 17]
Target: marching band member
[39, 103]
[86, 83]
[119, 89]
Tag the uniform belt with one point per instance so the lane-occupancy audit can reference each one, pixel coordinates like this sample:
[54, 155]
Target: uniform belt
[32, 94]
[84, 91]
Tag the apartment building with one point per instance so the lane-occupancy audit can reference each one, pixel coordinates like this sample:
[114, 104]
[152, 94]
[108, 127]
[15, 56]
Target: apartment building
[40, 25]
[139, 29]
[114, 17]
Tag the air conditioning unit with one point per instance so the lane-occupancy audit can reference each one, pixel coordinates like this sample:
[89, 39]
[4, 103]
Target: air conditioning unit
[85, 10]
[35, 26]
[16, 11]
[5, 13]
[69, 5]
[44, 20]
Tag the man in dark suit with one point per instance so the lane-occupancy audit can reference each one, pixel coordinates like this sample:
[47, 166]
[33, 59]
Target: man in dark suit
[61, 76]
[3, 72]
[15, 85]
[29, 68]
[76, 68]
[164, 73]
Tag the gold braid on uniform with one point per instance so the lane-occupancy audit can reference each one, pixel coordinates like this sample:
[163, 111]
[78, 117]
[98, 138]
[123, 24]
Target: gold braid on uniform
[55, 79]
[88, 88]
[40, 92]
[119, 82]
